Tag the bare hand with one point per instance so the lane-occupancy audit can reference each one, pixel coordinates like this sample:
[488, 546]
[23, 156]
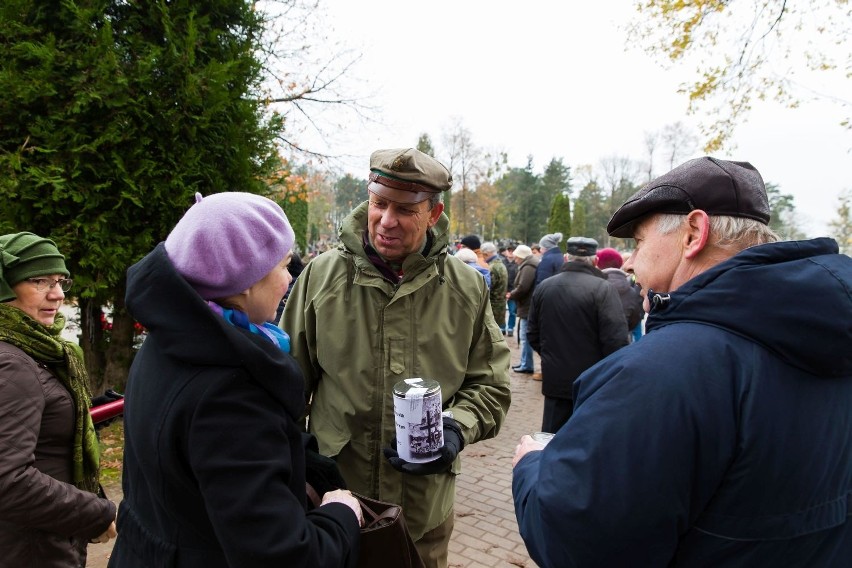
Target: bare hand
[526, 446]
[106, 536]
[345, 497]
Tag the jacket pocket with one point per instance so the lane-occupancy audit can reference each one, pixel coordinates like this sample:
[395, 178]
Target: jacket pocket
[148, 547]
[396, 355]
[774, 527]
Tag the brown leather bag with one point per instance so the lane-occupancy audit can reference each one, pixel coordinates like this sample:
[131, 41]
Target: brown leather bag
[385, 540]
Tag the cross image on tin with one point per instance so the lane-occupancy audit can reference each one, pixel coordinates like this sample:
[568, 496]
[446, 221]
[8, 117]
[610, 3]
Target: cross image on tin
[417, 413]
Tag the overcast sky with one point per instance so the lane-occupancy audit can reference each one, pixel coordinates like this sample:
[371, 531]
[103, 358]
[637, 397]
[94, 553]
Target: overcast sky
[555, 79]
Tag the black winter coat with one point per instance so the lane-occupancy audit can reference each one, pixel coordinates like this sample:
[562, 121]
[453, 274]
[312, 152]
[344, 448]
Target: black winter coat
[631, 299]
[214, 468]
[575, 320]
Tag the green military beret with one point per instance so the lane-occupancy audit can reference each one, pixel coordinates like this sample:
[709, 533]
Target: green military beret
[407, 175]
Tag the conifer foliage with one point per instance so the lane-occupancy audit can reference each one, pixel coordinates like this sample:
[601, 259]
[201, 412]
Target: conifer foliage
[113, 115]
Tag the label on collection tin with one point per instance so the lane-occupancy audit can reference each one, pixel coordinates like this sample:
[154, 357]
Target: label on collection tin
[417, 413]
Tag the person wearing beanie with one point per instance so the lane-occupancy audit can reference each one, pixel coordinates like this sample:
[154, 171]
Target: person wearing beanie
[609, 262]
[50, 508]
[388, 304]
[214, 457]
[551, 257]
[724, 436]
[521, 293]
[609, 258]
[473, 243]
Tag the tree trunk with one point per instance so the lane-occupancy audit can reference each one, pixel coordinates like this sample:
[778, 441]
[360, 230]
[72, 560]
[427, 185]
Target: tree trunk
[119, 351]
[91, 341]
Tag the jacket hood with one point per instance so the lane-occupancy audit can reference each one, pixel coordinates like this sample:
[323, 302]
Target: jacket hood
[792, 297]
[187, 330]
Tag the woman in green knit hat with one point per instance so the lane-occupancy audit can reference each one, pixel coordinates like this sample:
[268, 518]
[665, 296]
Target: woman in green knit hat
[50, 508]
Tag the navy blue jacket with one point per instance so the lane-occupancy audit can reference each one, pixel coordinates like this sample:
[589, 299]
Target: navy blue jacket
[214, 466]
[723, 438]
[551, 261]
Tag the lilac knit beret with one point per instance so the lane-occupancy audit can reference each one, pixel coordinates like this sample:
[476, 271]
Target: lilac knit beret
[226, 242]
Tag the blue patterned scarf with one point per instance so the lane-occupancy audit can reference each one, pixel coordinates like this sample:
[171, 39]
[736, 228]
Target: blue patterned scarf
[268, 331]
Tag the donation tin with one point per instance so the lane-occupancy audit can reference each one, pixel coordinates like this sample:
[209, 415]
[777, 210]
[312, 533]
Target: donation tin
[417, 413]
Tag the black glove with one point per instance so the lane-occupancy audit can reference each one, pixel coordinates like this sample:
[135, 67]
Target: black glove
[320, 471]
[453, 444]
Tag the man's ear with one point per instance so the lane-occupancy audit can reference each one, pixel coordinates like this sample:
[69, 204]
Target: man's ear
[435, 213]
[696, 233]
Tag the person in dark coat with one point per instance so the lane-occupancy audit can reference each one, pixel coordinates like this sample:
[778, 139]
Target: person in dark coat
[575, 320]
[214, 466]
[51, 505]
[610, 262]
[508, 258]
[521, 293]
[552, 258]
[722, 438]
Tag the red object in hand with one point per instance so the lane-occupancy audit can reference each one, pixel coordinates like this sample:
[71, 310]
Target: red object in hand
[106, 411]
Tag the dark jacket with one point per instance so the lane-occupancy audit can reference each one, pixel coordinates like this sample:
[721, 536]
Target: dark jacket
[511, 270]
[631, 299]
[45, 521]
[551, 261]
[575, 321]
[721, 439]
[524, 285]
[214, 468]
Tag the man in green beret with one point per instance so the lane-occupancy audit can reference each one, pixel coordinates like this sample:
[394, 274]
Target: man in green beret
[390, 304]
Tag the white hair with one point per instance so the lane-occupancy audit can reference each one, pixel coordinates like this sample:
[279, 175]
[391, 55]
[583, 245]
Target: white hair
[466, 255]
[488, 248]
[590, 260]
[729, 233]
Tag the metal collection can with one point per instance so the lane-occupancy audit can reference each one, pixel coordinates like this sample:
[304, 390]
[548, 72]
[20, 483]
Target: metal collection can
[419, 425]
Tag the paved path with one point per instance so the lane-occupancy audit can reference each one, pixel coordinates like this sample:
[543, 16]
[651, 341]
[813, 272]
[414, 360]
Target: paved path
[486, 533]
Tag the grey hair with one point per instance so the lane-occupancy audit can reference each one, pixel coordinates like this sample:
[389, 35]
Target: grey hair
[488, 247]
[435, 199]
[729, 233]
[590, 260]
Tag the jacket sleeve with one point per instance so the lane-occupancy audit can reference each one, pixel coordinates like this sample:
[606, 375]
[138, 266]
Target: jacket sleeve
[640, 458]
[300, 324]
[612, 325]
[29, 497]
[243, 466]
[481, 402]
[533, 329]
[525, 281]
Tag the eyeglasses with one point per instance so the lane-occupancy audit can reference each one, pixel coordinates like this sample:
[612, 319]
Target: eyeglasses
[43, 284]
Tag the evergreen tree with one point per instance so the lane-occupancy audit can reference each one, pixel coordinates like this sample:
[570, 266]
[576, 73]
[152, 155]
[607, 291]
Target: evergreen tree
[560, 217]
[114, 114]
[578, 224]
[520, 191]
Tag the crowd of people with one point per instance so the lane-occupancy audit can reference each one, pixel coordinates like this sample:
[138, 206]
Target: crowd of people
[720, 438]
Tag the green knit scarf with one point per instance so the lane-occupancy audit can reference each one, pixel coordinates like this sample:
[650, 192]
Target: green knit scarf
[65, 360]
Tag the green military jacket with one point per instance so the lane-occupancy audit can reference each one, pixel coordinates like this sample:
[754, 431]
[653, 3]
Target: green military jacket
[499, 287]
[355, 335]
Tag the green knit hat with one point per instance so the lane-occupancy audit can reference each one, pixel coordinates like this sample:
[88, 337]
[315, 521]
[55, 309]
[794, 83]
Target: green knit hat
[25, 255]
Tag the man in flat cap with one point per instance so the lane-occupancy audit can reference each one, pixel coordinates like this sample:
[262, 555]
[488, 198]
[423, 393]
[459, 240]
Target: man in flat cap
[390, 304]
[575, 320]
[723, 437]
